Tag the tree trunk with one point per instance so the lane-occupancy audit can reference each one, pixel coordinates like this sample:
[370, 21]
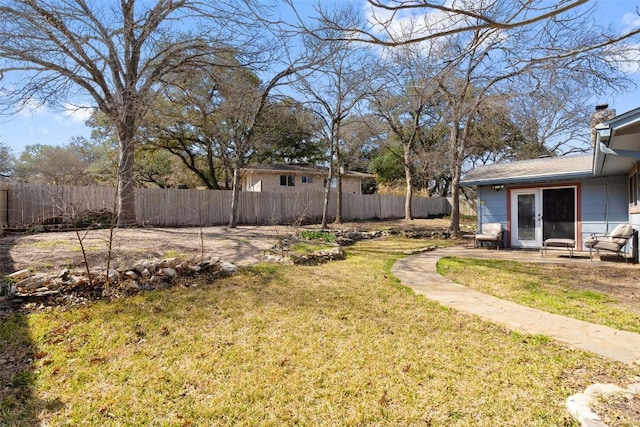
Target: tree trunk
[327, 194]
[235, 193]
[455, 202]
[338, 219]
[126, 196]
[408, 215]
[457, 142]
[213, 180]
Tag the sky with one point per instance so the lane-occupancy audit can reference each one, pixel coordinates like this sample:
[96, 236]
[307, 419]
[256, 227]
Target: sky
[40, 125]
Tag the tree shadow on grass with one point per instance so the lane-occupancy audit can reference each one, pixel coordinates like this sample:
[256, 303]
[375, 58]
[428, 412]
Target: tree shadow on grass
[18, 405]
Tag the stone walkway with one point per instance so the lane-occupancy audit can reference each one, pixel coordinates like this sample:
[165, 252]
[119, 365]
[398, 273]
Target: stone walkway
[419, 272]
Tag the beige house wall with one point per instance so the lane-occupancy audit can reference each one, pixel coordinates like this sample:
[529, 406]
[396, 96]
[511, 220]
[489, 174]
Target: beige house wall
[269, 182]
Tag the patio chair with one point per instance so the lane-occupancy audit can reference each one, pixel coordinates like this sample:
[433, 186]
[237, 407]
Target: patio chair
[613, 242]
[490, 232]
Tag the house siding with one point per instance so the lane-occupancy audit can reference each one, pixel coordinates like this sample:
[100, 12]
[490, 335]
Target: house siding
[270, 182]
[603, 205]
[492, 206]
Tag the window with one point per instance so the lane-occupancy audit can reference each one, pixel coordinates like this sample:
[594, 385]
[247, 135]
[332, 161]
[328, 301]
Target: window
[633, 189]
[306, 179]
[334, 182]
[287, 180]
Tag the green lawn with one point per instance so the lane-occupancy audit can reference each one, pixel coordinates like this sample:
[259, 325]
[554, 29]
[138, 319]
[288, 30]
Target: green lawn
[341, 344]
[552, 288]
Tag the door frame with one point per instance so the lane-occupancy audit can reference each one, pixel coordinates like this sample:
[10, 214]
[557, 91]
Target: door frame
[513, 191]
[536, 242]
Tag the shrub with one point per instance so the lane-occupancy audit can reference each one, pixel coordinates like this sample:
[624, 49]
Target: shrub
[324, 236]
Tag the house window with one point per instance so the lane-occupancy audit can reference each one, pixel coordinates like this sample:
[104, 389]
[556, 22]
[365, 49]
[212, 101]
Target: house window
[633, 188]
[287, 180]
[306, 179]
[334, 182]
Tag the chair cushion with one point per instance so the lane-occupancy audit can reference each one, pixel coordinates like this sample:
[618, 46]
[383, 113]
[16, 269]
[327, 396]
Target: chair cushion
[493, 228]
[621, 234]
[487, 237]
[607, 245]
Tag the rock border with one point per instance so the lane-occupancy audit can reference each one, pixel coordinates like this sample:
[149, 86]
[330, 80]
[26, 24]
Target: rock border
[79, 286]
[580, 405]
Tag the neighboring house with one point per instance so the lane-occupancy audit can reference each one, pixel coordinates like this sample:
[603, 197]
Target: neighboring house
[567, 197]
[292, 178]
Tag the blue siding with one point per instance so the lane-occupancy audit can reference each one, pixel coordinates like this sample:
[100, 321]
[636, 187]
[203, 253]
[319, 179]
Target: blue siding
[603, 205]
[492, 206]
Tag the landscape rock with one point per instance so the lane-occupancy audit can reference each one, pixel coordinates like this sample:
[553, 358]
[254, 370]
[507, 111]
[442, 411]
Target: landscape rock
[227, 268]
[168, 262]
[321, 257]
[20, 275]
[580, 405]
[30, 283]
[131, 274]
[64, 274]
[169, 272]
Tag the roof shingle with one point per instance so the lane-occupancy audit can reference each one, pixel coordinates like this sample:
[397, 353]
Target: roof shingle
[535, 170]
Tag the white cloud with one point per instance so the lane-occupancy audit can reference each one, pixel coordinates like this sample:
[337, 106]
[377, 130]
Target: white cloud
[414, 23]
[77, 113]
[628, 59]
[631, 21]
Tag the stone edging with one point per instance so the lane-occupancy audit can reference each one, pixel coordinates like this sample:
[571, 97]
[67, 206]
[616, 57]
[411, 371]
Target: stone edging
[69, 286]
[579, 405]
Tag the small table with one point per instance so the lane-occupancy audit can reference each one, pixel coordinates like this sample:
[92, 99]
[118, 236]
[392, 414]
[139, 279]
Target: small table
[568, 244]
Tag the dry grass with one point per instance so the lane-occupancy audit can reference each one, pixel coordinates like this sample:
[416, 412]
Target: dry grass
[341, 344]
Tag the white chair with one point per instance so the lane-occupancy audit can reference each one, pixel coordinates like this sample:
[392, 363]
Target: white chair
[490, 232]
[612, 242]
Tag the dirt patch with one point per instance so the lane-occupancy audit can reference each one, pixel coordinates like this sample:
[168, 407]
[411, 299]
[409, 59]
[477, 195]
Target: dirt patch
[244, 245]
[616, 280]
[241, 246]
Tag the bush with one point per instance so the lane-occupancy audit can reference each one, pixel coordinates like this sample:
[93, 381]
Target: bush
[324, 236]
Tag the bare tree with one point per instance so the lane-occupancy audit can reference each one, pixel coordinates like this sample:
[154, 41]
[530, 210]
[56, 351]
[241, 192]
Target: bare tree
[403, 103]
[334, 89]
[387, 20]
[470, 73]
[478, 48]
[246, 107]
[111, 55]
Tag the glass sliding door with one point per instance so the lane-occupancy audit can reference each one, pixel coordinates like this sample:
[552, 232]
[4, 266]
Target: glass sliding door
[538, 214]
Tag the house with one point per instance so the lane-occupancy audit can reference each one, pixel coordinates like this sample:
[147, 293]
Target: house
[293, 178]
[568, 197]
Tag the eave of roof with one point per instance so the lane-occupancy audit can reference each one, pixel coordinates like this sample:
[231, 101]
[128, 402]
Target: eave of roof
[606, 139]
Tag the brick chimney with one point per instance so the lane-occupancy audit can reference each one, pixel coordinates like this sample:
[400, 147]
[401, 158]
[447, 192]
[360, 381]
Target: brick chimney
[601, 115]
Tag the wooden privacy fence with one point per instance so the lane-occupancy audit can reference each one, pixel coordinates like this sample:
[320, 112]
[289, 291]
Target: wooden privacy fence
[29, 204]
